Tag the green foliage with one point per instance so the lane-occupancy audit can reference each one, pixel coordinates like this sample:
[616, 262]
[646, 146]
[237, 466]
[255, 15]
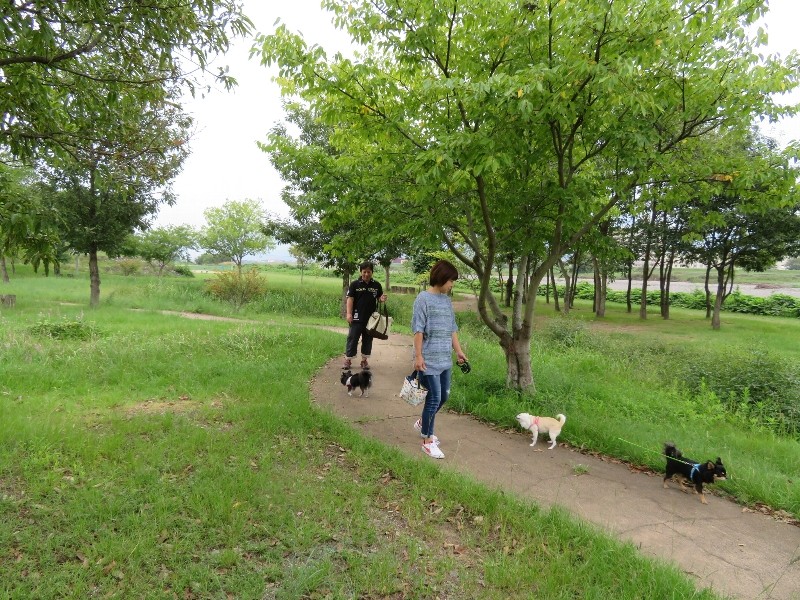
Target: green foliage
[208, 258]
[510, 133]
[235, 229]
[127, 266]
[299, 303]
[237, 288]
[164, 245]
[774, 305]
[565, 331]
[77, 60]
[183, 271]
[65, 329]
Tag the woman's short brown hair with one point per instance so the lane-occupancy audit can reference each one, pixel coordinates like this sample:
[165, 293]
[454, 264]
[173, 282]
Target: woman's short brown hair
[442, 272]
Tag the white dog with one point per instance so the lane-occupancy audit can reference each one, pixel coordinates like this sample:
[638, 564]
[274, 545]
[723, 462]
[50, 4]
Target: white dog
[543, 424]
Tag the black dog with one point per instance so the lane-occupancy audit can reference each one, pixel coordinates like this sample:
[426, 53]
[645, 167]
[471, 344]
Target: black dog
[362, 381]
[697, 473]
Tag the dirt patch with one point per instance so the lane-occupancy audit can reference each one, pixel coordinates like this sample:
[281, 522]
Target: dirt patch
[183, 405]
[11, 489]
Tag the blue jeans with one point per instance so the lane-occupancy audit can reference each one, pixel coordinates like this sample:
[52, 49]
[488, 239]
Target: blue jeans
[438, 393]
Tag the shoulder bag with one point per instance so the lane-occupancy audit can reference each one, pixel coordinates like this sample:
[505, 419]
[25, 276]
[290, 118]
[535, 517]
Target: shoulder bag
[379, 323]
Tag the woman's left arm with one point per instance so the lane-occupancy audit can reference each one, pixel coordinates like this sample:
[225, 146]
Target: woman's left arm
[457, 347]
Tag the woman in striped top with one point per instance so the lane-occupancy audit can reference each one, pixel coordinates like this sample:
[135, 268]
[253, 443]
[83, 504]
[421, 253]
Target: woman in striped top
[433, 324]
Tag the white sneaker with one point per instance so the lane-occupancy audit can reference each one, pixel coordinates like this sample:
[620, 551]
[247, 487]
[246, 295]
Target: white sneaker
[418, 427]
[432, 450]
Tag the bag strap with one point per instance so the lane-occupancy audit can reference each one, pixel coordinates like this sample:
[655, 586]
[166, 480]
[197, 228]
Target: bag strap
[385, 314]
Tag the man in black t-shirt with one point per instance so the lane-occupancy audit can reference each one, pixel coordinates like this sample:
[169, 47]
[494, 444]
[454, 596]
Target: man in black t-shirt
[362, 298]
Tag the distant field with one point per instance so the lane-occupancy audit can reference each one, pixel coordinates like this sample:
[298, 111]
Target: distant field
[780, 277]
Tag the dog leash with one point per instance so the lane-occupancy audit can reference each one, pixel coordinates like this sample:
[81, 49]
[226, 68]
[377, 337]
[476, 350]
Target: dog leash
[686, 462]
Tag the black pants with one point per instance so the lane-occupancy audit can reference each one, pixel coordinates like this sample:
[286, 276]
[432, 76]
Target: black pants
[358, 330]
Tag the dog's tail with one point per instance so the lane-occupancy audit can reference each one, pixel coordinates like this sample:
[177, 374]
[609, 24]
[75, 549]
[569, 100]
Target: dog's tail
[561, 418]
[671, 450]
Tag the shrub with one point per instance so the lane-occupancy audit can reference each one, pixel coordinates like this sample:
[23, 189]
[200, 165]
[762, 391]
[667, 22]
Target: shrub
[65, 329]
[237, 288]
[775, 305]
[183, 271]
[565, 331]
[126, 266]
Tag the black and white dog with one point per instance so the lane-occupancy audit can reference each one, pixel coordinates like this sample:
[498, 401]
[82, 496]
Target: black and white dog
[361, 381]
[696, 472]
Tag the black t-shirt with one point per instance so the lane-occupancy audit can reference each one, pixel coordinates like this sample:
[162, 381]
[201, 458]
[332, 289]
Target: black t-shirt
[365, 298]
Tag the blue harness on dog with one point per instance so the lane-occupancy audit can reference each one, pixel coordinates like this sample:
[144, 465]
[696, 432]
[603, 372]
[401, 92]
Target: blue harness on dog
[695, 469]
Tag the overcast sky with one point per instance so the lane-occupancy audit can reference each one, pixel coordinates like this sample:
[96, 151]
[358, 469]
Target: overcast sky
[226, 163]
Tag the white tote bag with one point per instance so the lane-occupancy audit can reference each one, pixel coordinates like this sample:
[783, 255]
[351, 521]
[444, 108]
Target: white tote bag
[413, 391]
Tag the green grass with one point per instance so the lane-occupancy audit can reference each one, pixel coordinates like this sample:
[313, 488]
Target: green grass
[627, 386]
[780, 277]
[158, 456]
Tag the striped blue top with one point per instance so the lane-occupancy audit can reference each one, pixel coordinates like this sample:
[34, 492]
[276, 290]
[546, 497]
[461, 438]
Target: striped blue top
[433, 316]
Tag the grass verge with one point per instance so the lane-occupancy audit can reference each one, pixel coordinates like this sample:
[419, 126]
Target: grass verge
[152, 456]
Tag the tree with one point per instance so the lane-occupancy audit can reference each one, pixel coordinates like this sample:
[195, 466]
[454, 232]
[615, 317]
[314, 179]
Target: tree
[236, 229]
[317, 178]
[520, 127]
[29, 224]
[61, 58]
[751, 220]
[113, 182]
[301, 258]
[164, 245]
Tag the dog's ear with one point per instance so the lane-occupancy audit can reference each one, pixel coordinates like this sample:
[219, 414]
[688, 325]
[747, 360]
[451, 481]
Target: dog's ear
[710, 466]
[719, 460]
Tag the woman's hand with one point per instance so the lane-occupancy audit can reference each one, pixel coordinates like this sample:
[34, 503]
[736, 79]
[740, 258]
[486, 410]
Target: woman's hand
[419, 365]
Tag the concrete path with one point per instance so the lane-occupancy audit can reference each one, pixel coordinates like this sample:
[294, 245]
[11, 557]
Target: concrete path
[735, 551]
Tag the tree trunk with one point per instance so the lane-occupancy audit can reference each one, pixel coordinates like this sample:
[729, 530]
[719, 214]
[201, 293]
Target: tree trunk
[547, 290]
[600, 285]
[345, 286]
[646, 270]
[708, 291]
[724, 288]
[94, 279]
[4, 269]
[510, 283]
[573, 288]
[555, 288]
[386, 270]
[643, 302]
[630, 287]
[519, 373]
[666, 281]
[8, 300]
[715, 318]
